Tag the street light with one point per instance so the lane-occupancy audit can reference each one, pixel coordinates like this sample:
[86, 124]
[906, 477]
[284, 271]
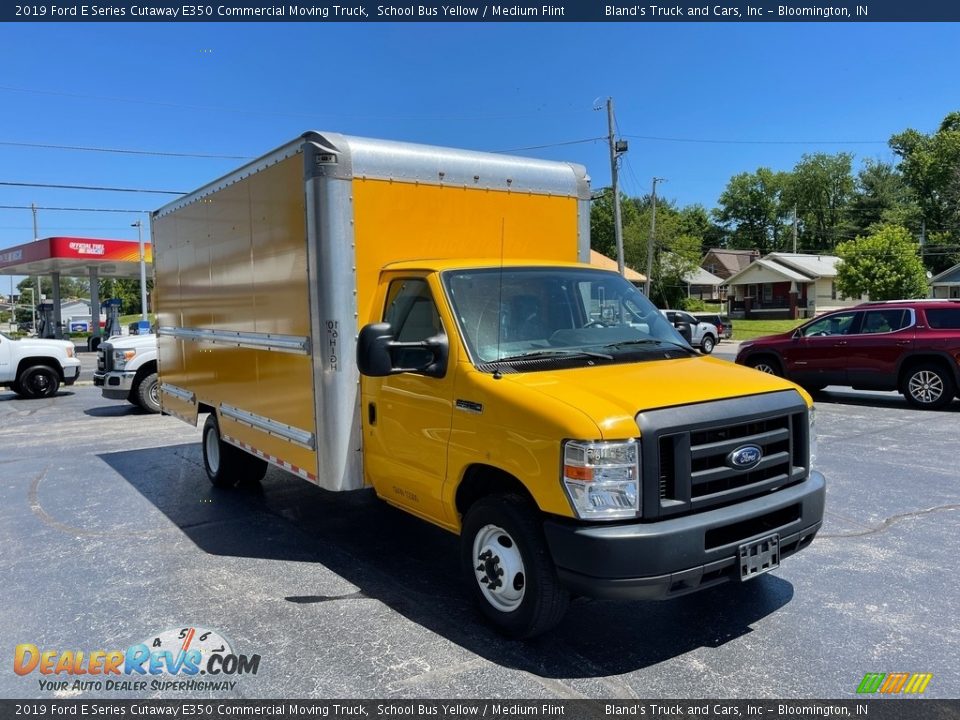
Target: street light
[143, 272]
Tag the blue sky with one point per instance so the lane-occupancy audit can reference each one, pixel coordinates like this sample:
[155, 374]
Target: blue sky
[242, 89]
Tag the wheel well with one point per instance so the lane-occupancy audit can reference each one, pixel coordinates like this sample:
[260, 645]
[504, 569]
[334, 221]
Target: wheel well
[911, 362]
[34, 361]
[764, 355]
[145, 369]
[482, 480]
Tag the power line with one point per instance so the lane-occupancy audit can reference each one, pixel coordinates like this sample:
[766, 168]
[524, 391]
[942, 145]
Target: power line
[91, 187]
[757, 142]
[550, 145]
[125, 151]
[69, 209]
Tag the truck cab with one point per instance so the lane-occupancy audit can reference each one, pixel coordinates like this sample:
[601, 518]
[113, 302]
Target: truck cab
[127, 370]
[558, 422]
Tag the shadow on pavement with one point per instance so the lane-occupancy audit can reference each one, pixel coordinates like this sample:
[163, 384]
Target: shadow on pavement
[412, 567]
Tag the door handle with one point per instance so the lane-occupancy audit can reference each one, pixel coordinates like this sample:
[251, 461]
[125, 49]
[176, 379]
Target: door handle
[372, 413]
[840, 343]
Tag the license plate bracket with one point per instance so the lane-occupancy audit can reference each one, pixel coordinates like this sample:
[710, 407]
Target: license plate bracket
[759, 557]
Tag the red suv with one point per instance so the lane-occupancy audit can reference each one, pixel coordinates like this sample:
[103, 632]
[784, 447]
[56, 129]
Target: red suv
[912, 346]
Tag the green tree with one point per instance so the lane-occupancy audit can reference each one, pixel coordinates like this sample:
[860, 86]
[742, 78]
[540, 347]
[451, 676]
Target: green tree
[930, 165]
[885, 265]
[881, 196]
[602, 235]
[752, 212]
[821, 187]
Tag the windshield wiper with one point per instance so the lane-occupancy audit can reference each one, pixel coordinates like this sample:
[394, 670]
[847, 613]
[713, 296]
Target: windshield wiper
[627, 343]
[539, 354]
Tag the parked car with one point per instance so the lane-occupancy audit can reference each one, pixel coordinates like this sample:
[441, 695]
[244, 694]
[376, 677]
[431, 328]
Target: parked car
[907, 345]
[703, 335]
[722, 322]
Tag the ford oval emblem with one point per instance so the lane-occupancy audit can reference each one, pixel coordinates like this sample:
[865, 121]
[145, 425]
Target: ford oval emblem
[745, 457]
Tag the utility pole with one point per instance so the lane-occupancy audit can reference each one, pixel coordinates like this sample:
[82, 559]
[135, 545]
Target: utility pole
[143, 271]
[36, 280]
[617, 147]
[794, 229]
[653, 235]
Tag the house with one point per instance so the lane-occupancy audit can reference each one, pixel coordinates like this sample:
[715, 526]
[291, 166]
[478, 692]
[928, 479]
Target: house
[600, 260]
[703, 285]
[946, 284]
[724, 263]
[786, 285]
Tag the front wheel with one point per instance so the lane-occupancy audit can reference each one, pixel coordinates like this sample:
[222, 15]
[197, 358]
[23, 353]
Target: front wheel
[928, 386]
[765, 365]
[39, 381]
[148, 393]
[508, 567]
[707, 344]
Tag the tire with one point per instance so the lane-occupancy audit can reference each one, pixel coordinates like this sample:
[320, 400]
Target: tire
[148, 393]
[928, 386]
[226, 465]
[39, 381]
[15, 386]
[765, 365]
[707, 344]
[508, 568]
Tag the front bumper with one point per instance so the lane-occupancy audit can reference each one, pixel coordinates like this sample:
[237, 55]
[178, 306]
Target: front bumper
[116, 385]
[664, 559]
[71, 373]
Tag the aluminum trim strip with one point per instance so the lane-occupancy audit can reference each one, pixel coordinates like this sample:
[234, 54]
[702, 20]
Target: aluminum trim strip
[179, 393]
[259, 341]
[271, 427]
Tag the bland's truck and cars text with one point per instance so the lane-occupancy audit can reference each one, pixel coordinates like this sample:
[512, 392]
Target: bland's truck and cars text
[422, 321]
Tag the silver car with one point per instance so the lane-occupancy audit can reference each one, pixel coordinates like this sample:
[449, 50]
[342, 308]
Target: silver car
[702, 334]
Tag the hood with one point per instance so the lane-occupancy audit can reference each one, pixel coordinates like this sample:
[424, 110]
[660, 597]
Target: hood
[42, 343]
[613, 394]
[132, 341]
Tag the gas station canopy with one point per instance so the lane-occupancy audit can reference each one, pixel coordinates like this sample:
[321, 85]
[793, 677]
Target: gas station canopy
[73, 256]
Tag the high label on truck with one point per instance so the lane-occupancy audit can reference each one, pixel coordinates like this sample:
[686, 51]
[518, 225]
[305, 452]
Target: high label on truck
[421, 320]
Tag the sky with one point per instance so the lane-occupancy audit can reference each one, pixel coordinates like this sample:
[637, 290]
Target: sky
[698, 103]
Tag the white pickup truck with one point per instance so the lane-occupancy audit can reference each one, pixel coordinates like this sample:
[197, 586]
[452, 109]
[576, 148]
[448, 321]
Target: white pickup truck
[127, 370]
[35, 368]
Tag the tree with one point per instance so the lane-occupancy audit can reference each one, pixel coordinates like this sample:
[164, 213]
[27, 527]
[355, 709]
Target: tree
[602, 235]
[821, 187]
[885, 265]
[752, 210]
[931, 168]
[881, 196]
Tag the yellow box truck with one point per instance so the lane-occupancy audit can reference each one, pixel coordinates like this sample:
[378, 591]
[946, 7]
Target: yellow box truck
[422, 321]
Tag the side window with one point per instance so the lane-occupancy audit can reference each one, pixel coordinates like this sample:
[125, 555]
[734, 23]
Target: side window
[884, 321]
[838, 324]
[411, 311]
[948, 319]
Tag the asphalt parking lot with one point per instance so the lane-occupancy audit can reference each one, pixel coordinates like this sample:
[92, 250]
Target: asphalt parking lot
[111, 534]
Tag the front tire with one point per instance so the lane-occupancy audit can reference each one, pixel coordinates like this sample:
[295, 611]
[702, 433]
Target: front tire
[765, 365]
[928, 386]
[707, 344]
[508, 567]
[148, 393]
[227, 465]
[39, 381]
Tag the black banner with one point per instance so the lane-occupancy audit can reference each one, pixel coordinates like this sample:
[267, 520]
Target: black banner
[873, 708]
[471, 11]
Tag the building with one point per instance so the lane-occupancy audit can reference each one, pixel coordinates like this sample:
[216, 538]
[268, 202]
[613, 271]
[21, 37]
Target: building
[786, 285]
[946, 284]
[725, 263]
[602, 261]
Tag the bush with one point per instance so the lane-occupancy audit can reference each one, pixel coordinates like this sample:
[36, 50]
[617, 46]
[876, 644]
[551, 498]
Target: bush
[691, 304]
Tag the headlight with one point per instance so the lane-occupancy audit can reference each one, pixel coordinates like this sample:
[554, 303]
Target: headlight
[122, 357]
[69, 352]
[812, 416]
[602, 479]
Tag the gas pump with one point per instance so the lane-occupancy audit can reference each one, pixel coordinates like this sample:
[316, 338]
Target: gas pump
[46, 322]
[111, 309]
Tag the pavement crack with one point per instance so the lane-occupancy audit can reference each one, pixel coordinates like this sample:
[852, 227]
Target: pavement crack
[886, 524]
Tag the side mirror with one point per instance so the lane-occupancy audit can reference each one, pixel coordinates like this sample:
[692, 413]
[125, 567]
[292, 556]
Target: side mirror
[685, 330]
[379, 354]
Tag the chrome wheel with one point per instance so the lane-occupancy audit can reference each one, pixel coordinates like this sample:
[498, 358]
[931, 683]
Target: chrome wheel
[212, 446]
[498, 567]
[765, 367]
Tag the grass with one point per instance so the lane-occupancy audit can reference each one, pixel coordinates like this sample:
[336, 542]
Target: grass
[750, 329]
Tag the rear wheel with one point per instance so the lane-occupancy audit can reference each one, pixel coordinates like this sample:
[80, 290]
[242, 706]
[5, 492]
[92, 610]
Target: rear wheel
[765, 364]
[707, 344]
[148, 393]
[39, 381]
[507, 565]
[928, 386]
[226, 464]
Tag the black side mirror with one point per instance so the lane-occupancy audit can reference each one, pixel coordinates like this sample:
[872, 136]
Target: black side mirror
[379, 354]
[685, 330]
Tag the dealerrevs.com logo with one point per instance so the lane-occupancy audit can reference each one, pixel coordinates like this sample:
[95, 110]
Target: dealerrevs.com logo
[191, 659]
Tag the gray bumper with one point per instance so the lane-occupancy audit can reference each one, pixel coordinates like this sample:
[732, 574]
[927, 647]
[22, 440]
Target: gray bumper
[674, 557]
[115, 385]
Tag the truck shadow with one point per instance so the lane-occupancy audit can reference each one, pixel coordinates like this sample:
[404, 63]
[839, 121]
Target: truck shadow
[867, 398]
[412, 567]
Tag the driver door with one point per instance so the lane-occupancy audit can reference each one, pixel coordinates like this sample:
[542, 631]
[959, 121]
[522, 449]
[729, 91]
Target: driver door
[818, 356]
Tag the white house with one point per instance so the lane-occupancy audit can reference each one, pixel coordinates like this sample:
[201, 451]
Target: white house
[946, 284]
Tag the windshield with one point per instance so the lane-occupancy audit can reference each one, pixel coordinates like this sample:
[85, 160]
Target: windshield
[512, 313]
